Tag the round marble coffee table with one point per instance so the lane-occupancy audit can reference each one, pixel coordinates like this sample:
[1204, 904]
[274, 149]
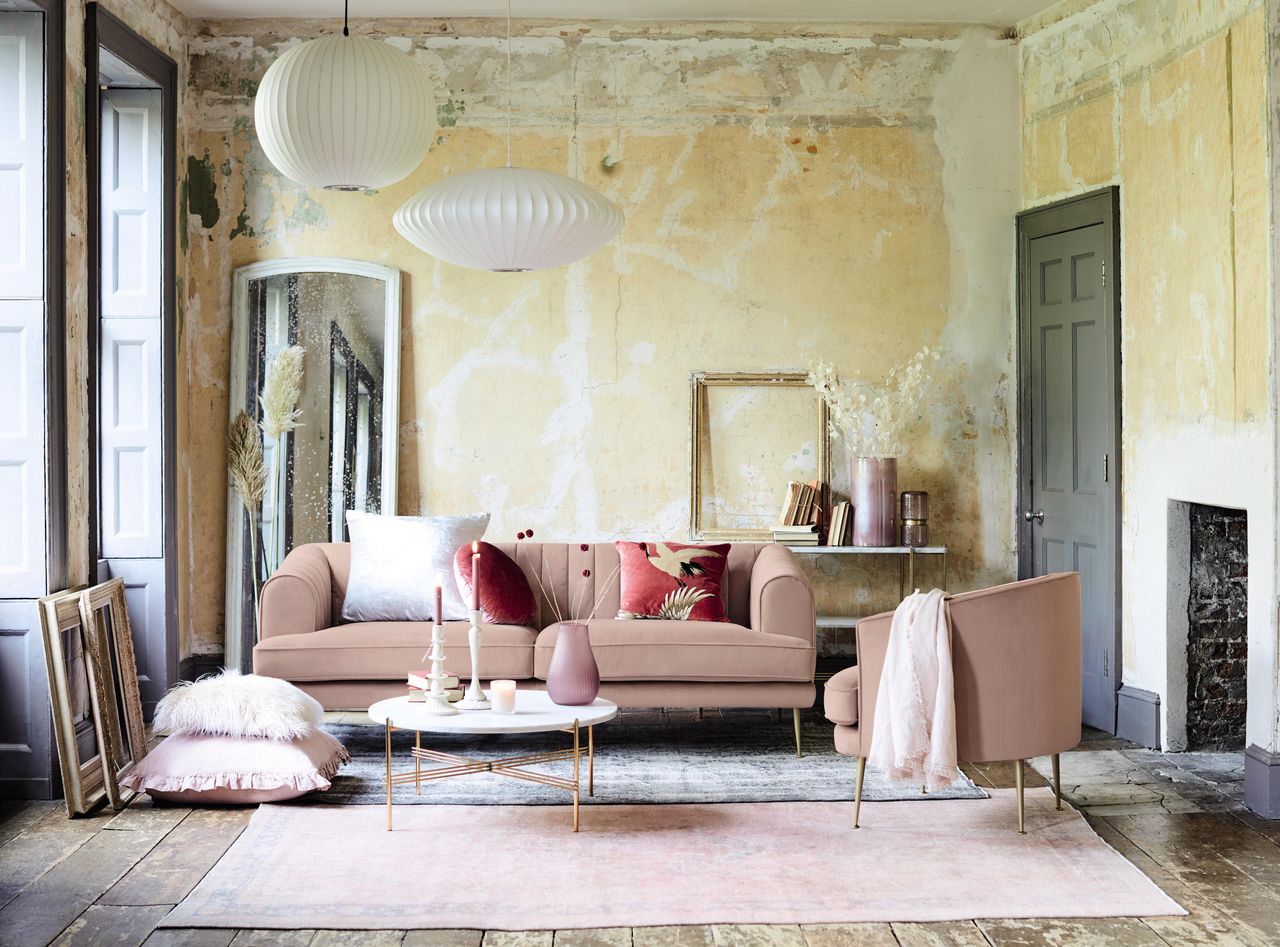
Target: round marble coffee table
[535, 713]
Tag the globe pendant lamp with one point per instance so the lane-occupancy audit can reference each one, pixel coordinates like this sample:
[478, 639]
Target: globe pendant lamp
[508, 220]
[344, 113]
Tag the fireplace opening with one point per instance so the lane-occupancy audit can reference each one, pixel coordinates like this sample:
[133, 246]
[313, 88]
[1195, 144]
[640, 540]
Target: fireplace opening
[1217, 633]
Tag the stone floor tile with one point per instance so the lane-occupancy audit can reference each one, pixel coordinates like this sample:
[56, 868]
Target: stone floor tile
[594, 937]
[112, 926]
[688, 936]
[1096, 932]
[191, 937]
[940, 934]
[443, 938]
[517, 938]
[757, 935]
[268, 938]
[357, 939]
[848, 935]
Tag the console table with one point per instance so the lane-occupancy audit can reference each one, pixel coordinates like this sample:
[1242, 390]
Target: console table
[907, 556]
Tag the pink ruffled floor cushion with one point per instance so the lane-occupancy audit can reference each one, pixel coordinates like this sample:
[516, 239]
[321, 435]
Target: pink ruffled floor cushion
[205, 769]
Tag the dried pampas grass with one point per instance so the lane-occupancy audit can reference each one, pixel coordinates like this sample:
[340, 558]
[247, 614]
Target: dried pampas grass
[245, 465]
[281, 391]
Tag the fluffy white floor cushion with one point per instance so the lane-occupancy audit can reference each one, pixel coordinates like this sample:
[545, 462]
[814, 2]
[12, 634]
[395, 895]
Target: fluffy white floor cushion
[205, 769]
[236, 705]
[238, 739]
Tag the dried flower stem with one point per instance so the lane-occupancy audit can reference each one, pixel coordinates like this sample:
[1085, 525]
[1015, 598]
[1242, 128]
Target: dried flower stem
[248, 474]
[281, 391]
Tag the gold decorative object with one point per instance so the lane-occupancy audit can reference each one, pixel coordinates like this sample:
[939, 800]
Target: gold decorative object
[701, 448]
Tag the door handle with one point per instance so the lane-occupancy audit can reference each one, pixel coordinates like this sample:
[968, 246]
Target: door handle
[1029, 516]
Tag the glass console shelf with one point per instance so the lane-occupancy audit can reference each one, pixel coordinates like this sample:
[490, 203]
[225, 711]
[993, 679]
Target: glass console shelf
[906, 574]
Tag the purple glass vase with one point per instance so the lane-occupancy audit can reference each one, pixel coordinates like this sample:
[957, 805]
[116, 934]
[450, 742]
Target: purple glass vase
[874, 496]
[573, 678]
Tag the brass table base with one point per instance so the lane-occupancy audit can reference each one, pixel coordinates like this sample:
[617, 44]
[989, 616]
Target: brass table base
[514, 767]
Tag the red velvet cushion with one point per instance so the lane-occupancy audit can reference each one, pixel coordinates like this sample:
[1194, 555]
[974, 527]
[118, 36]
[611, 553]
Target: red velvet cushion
[505, 595]
[653, 571]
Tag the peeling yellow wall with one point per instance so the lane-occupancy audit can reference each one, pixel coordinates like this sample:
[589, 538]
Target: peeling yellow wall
[792, 193]
[1169, 101]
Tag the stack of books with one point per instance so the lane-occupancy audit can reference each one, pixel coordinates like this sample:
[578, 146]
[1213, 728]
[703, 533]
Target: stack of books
[797, 535]
[800, 523]
[419, 684]
[841, 523]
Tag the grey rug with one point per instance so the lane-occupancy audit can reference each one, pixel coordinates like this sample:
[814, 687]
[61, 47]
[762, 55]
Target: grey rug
[640, 758]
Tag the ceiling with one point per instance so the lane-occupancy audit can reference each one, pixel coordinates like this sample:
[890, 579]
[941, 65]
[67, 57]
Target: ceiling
[997, 12]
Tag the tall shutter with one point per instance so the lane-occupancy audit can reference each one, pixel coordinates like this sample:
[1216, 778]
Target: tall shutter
[131, 371]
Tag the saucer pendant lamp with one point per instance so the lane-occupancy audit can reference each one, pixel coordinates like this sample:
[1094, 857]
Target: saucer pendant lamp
[508, 219]
[344, 113]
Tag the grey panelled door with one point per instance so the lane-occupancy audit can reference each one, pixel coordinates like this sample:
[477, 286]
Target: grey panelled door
[1071, 506]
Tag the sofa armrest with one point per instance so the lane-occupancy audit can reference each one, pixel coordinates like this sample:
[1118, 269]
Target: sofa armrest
[872, 637]
[298, 598]
[781, 599]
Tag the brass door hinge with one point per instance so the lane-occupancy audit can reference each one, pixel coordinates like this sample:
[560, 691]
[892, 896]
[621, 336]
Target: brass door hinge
[1106, 468]
[1104, 272]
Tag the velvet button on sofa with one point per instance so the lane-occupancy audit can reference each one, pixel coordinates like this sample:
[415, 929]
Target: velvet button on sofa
[763, 656]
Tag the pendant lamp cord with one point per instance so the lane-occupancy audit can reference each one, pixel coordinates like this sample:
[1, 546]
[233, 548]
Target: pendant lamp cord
[508, 83]
[345, 5]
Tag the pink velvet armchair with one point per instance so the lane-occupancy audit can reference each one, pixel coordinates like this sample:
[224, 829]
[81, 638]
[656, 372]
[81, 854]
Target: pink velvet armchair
[1016, 655]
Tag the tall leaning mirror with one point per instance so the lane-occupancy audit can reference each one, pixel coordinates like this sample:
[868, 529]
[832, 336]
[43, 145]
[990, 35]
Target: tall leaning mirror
[315, 364]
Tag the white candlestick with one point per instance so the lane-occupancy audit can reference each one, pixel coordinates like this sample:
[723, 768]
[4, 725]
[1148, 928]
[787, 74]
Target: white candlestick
[502, 694]
[437, 700]
[474, 698]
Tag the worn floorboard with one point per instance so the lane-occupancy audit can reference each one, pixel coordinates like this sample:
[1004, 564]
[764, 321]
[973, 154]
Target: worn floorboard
[110, 878]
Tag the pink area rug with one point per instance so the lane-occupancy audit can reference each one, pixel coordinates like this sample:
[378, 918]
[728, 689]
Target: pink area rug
[520, 867]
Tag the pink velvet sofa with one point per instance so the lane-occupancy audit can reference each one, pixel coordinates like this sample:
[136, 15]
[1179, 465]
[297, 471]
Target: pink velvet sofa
[1016, 659]
[763, 656]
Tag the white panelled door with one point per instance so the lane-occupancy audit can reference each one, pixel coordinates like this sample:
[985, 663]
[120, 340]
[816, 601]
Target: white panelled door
[131, 370]
[25, 737]
[22, 409]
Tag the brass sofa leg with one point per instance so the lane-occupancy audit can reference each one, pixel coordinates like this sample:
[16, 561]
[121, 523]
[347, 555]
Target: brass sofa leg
[857, 790]
[795, 720]
[1057, 781]
[1017, 779]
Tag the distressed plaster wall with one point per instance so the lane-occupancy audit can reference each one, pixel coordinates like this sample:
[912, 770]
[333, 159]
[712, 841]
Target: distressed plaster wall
[1170, 102]
[792, 193]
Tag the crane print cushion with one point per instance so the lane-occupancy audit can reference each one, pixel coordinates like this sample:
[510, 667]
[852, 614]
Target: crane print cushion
[674, 581]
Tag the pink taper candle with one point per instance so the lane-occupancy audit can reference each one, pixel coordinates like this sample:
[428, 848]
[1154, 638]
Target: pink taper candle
[475, 577]
[439, 598]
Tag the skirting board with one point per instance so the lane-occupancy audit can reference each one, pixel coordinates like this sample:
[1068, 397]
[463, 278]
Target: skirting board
[1262, 781]
[1138, 716]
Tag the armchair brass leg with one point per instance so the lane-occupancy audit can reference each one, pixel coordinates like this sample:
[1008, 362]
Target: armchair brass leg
[795, 719]
[1057, 781]
[857, 790]
[1017, 779]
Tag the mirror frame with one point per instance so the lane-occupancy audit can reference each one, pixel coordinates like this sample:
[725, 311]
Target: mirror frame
[120, 636]
[84, 785]
[234, 640]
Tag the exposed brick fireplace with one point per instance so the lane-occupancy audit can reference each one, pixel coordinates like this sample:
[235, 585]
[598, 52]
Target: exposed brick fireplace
[1217, 636]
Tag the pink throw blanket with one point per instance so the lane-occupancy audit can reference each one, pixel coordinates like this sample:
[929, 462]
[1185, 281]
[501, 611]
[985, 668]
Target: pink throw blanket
[915, 728]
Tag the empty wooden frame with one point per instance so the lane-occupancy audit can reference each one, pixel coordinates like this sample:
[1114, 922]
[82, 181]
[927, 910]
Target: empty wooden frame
[76, 693]
[105, 616]
[743, 452]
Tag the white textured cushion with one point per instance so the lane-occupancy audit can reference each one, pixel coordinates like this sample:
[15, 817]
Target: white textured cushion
[394, 562]
[204, 769]
[236, 705]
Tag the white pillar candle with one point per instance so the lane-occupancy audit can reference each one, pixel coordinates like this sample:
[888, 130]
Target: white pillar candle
[502, 695]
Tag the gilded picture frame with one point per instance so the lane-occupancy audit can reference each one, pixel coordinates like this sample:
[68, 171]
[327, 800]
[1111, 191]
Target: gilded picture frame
[105, 616]
[701, 383]
[76, 696]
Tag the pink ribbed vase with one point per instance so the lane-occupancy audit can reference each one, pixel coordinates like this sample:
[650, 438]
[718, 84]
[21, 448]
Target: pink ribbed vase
[874, 496]
[573, 678]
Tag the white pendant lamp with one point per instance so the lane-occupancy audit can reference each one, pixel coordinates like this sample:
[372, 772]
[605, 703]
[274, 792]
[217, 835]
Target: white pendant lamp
[345, 113]
[509, 219]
